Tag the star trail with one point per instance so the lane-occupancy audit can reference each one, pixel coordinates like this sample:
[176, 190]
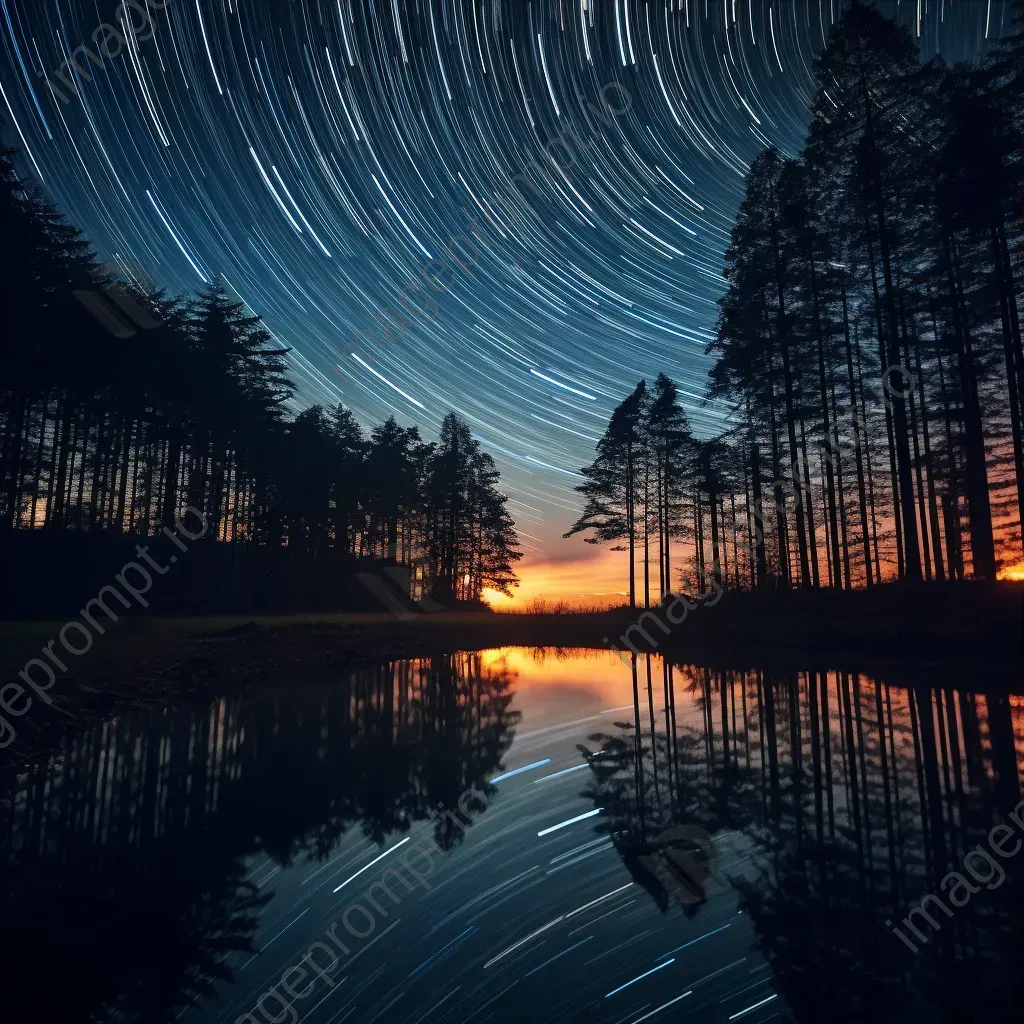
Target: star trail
[509, 209]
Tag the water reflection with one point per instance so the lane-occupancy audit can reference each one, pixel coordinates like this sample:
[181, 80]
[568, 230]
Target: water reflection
[837, 802]
[755, 833]
[126, 865]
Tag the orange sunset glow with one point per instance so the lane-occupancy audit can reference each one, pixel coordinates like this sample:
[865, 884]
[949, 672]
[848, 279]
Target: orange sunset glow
[592, 578]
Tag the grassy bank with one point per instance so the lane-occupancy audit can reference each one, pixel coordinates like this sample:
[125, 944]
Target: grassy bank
[144, 662]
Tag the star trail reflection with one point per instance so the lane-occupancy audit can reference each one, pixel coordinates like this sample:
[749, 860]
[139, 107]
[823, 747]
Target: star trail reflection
[758, 830]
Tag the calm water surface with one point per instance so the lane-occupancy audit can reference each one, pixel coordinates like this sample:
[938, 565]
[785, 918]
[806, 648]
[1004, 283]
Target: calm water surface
[635, 843]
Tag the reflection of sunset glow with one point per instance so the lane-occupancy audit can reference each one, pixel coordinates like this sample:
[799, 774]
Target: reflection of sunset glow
[585, 669]
[561, 687]
[574, 683]
[577, 696]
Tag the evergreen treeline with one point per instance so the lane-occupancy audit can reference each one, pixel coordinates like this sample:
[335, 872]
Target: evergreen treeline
[101, 432]
[868, 344]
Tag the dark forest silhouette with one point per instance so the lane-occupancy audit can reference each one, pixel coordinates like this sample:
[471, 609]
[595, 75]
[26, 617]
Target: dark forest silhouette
[869, 346]
[837, 801]
[106, 429]
[136, 870]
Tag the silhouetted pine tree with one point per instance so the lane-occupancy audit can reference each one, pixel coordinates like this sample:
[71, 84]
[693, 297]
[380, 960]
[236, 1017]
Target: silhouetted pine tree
[614, 481]
[670, 444]
[470, 535]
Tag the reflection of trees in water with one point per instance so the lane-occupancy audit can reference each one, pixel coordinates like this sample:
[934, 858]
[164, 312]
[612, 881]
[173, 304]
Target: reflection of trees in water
[124, 866]
[543, 655]
[846, 800]
[135, 938]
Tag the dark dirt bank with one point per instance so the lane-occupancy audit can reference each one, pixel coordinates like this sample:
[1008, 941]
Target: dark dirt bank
[926, 634]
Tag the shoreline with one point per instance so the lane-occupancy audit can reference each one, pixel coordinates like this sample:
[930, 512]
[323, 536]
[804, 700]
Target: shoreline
[931, 634]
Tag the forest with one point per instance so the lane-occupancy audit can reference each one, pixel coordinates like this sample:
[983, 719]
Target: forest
[108, 430]
[835, 801]
[287, 782]
[868, 347]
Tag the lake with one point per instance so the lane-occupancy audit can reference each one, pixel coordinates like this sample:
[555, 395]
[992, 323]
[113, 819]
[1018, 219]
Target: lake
[527, 834]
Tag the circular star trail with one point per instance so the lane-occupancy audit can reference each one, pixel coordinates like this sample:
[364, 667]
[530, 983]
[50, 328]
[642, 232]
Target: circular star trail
[563, 172]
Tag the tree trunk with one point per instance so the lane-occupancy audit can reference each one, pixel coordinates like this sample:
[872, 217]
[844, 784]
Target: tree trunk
[647, 534]
[800, 461]
[843, 525]
[933, 512]
[13, 460]
[630, 524]
[912, 554]
[126, 454]
[1014, 365]
[787, 374]
[668, 523]
[699, 538]
[858, 454]
[912, 408]
[172, 471]
[716, 559]
[40, 450]
[755, 476]
[867, 463]
[826, 420]
[950, 500]
[782, 527]
[983, 555]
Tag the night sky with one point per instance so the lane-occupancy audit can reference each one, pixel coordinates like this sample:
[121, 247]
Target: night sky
[563, 172]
